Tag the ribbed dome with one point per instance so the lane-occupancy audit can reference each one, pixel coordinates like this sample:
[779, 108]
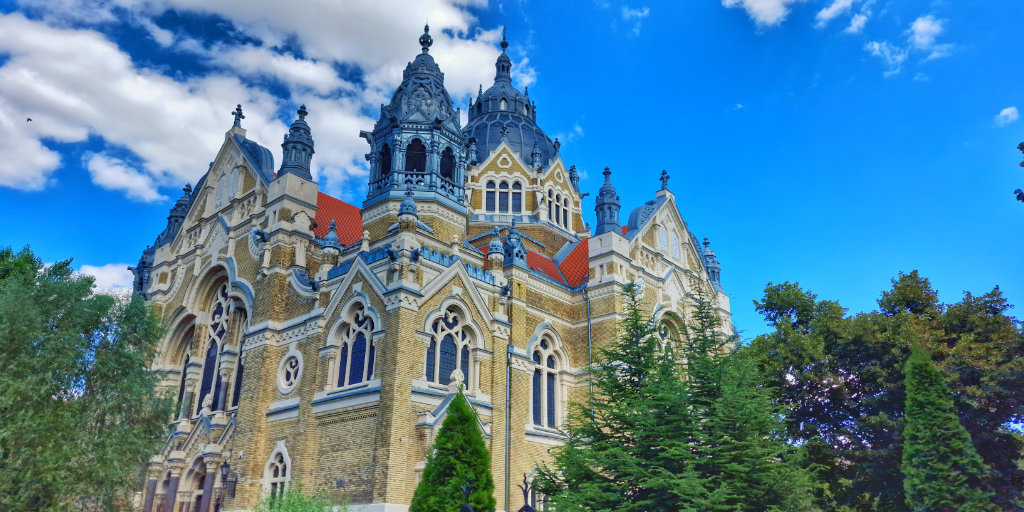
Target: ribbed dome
[503, 106]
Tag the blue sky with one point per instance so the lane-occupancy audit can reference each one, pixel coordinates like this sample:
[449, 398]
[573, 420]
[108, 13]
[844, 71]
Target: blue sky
[830, 142]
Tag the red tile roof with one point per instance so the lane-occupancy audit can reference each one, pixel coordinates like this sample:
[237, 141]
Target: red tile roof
[575, 267]
[348, 217]
[538, 262]
[625, 229]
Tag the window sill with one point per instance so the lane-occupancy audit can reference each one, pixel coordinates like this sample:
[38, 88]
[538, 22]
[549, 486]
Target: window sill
[352, 395]
[544, 435]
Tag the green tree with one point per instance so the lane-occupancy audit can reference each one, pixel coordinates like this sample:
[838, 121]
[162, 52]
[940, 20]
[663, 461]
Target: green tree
[941, 470]
[677, 428]
[294, 499]
[78, 402]
[459, 453]
[841, 379]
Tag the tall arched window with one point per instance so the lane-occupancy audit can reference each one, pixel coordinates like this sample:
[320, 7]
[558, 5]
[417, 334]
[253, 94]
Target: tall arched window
[209, 370]
[415, 156]
[385, 161]
[675, 245]
[503, 197]
[489, 198]
[448, 349]
[355, 363]
[558, 209]
[551, 202]
[503, 104]
[277, 475]
[447, 163]
[545, 385]
[181, 387]
[517, 197]
[565, 213]
[663, 234]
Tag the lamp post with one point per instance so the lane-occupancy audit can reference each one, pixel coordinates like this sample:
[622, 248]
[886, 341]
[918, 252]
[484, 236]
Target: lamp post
[228, 479]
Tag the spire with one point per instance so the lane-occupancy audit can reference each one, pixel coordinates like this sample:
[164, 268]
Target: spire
[574, 178]
[711, 264]
[503, 66]
[607, 206]
[238, 116]
[426, 40]
[297, 148]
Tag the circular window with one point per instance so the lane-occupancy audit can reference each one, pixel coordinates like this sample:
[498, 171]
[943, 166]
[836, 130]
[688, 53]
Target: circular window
[289, 372]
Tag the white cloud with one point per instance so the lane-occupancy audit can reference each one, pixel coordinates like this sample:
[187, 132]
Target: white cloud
[857, 23]
[764, 12]
[116, 174]
[924, 30]
[834, 10]
[77, 84]
[635, 16]
[738, 106]
[575, 133]
[892, 56]
[111, 275]
[1007, 116]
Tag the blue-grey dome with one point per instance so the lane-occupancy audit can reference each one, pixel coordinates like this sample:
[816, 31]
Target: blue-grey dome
[503, 107]
[408, 205]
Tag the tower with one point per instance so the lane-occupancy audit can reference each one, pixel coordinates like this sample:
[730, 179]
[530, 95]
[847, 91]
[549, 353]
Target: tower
[298, 148]
[417, 143]
[607, 206]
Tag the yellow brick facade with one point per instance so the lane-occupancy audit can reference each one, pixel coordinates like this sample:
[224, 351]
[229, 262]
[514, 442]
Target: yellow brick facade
[265, 321]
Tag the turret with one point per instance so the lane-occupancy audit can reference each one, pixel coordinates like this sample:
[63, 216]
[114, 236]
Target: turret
[607, 206]
[298, 148]
[712, 265]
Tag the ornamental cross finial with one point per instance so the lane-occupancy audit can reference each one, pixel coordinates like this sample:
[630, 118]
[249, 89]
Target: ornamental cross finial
[408, 191]
[425, 39]
[504, 42]
[707, 243]
[664, 179]
[302, 113]
[504, 133]
[238, 116]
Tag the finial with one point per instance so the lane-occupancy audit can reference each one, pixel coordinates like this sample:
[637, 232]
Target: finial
[664, 179]
[707, 243]
[408, 191]
[187, 189]
[504, 42]
[526, 91]
[481, 90]
[557, 144]
[334, 225]
[504, 133]
[607, 175]
[425, 39]
[238, 116]
[302, 113]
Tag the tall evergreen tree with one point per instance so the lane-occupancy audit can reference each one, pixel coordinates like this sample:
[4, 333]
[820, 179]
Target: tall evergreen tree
[941, 470]
[674, 428]
[459, 453]
[78, 404]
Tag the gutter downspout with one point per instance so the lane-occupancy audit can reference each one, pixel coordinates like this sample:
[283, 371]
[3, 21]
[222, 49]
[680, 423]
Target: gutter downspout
[508, 397]
[590, 355]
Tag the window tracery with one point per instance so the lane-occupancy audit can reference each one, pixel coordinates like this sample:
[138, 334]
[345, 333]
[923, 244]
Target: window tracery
[448, 348]
[544, 386]
[415, 156]
[358, 351]
[277, 474]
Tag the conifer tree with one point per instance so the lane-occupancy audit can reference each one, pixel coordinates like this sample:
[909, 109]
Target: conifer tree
[459, 453]
[941, 469]
[674, 428]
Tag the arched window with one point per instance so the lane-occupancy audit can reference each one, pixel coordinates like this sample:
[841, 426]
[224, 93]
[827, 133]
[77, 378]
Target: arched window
[415, 157]
[355, 362]
[565, 213]
[558, 209]
[238, 383]
[503, 104]
[551, 201]
[503, 197]
[181, 387]
[664, 237]
[448, 349]
[277, 475]
[675, 245]
[385, 161]
[209, 370]
[517, 197]
[545, 385]
[447, 163]
[479, 107]
[489, 199]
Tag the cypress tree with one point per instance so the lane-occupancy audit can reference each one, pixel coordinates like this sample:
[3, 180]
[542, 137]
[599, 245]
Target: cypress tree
[459, 452]
[941, 469]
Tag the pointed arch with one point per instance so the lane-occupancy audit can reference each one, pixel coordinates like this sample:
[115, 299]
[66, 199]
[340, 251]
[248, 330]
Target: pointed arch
[415, 156]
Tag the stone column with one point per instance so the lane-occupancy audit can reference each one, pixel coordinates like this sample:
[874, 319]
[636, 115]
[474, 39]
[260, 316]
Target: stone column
[171, 497]
[226, 384]
[150, 495]
[211, 475]
[193, 372]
